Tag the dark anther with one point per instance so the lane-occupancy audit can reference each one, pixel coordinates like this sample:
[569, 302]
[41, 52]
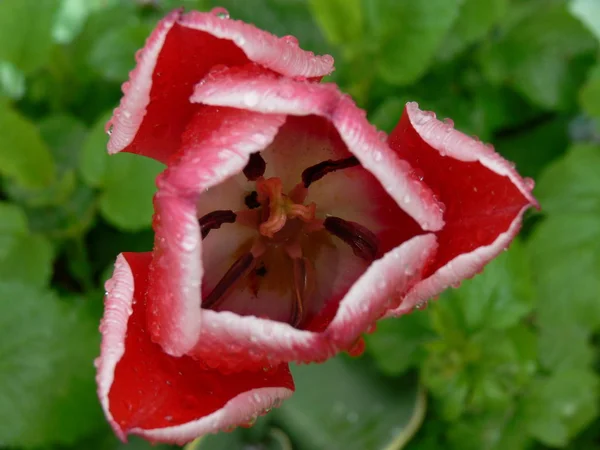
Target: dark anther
[214, 220]
[318, 171]
[255, 168]
[236, 272]
[251, 200]
[261, 270]
[363, 241]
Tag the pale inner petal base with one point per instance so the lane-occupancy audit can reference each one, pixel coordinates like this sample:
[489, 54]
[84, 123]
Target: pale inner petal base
[303, 266]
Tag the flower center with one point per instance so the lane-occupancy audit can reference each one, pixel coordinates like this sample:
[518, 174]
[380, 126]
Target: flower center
[285, 225]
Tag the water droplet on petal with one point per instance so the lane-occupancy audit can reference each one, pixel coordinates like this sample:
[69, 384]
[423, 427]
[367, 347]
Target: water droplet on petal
[327, 59]
[109, 128]
[421, 305]
[291, 40]
[251, 99]
[529, 183]
[382, 135]
[377, 156]
[220, 12]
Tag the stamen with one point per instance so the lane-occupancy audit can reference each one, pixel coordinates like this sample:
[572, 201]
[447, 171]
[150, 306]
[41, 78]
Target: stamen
[214, 220]
[256, 167]
[236, 272]
[363, 241]
[303, 286]
[318, 171]
[251, 200]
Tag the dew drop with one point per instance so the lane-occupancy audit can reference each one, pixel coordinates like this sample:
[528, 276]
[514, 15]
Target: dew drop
[529, 183]
[406, 199]
[421, 305]
[220, 12]
[449, 122]
[109, 128]
[251, 99]
[377, 156]
[382, 136]
[291, 40]
[327, 59]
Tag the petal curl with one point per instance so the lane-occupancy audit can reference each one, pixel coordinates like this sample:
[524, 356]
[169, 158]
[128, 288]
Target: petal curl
[144, 391]
[216, 146]
[271, 95]
[155, 107]
[229, 340]
[485, 198]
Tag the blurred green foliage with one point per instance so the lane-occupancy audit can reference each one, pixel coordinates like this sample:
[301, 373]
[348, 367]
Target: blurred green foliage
[508, 361]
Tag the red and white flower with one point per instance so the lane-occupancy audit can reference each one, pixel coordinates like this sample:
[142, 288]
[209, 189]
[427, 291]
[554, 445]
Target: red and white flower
[285, 225]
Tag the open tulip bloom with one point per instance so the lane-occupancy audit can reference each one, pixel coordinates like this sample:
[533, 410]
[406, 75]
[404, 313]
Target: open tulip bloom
[285, 225]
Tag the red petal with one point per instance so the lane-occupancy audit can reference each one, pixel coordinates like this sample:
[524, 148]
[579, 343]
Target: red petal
[268, 94]
[216, 146]
[484, 195]
[144, 391]
[155, 107]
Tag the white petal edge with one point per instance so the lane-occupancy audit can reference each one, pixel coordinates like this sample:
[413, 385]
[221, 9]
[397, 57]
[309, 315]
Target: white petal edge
[241, 409]
[447, 141]
[254, 336]
[258, 45]
[460, 268]
[129, 115]
[285, 96]
[117, 310]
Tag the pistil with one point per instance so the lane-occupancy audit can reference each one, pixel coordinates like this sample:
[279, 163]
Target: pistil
[280, 207]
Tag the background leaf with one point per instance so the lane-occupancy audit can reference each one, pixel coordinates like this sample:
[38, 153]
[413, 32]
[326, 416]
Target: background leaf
[26, 32]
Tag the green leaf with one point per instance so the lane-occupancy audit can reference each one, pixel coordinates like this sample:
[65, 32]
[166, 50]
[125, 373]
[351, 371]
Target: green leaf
[565, 249]
[93, 158]
[26, 32]
[388, 113]
[588, 11]
[24, 256]
[12, 81]
[589, 95]
[72, 15]
[12, 219]
[499, 297]
[70, 218]
[560, 406]
[482, 372]
[532, 145]
[542, 54]
[397, 345]
[491, 431]
[344, 404]
[113, 53]
[64, 135]
[476, 19]
[340, 20]
[408, 34]
[23, 154]
[126, 201]
[571, 185]
[46, 369]
[261, 436]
